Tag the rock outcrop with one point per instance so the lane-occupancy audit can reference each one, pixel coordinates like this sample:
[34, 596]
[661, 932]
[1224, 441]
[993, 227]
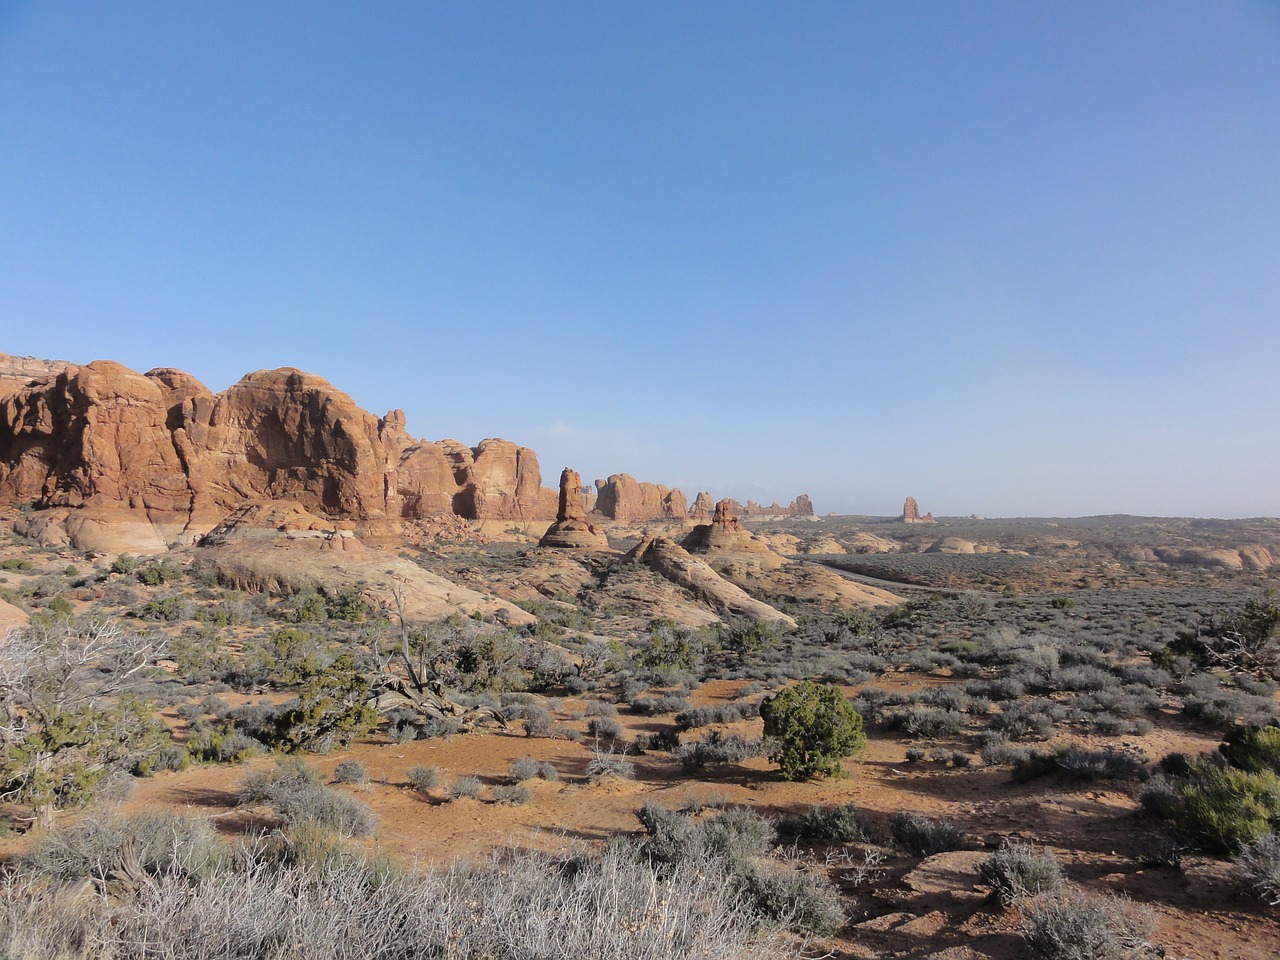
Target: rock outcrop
[703, 507]
[726, 535]
[621, 497]
[162, 458]
[16, 372]
[672, 561]
[95, 437]
[11, 618]
[281, 547]
[1253, 557]
[801, 506]
[571, 529]
[911, 513]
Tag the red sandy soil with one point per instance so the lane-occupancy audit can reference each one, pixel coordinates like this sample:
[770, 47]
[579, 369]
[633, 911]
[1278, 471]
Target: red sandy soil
[912, 910]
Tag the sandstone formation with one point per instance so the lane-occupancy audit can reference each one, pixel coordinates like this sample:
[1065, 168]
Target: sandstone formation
[159, 459]
[11, 618]
[864, 542]
[911, 513]
[807, 581]
[281, 547]
[16, 372]
[1254, 557]
[823, 544]
[571, 529]
[703, 507]
[672, 561]
[726, 535]
[801, 506]
[117, 460]
[621, 497]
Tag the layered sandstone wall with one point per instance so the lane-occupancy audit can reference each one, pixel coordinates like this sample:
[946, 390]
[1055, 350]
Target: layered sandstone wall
[163, 447]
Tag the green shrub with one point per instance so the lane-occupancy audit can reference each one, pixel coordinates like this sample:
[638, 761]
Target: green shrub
[155, 574]
[814, 727]
[166, 609]
[124, 564]
[1227, 809]
[306, 606]
[224, 744]
[332, 710]
[16, 566]
[1017, 871]
[1253, 748]
[347, 604]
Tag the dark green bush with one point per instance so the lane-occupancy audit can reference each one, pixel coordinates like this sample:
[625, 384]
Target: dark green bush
[814, 728]
[1227, 809]
[1253, 748]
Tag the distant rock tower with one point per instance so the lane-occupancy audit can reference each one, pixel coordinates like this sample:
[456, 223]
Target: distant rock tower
[911, 513]
[571, 530]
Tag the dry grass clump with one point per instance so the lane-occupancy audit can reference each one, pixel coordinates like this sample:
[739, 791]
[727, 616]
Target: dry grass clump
[328, 903]
[295, 793]
[1073, 924]
[1018, 870]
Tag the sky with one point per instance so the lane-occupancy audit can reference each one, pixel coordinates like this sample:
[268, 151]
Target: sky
[1010, 258]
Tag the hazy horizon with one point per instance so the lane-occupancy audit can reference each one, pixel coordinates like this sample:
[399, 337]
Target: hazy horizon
[1011, 260]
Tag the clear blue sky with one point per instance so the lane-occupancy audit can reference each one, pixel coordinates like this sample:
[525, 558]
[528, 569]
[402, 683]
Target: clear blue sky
[1010, 258]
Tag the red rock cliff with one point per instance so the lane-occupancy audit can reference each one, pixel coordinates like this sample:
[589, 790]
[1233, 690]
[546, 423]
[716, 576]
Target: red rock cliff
[163, 446]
